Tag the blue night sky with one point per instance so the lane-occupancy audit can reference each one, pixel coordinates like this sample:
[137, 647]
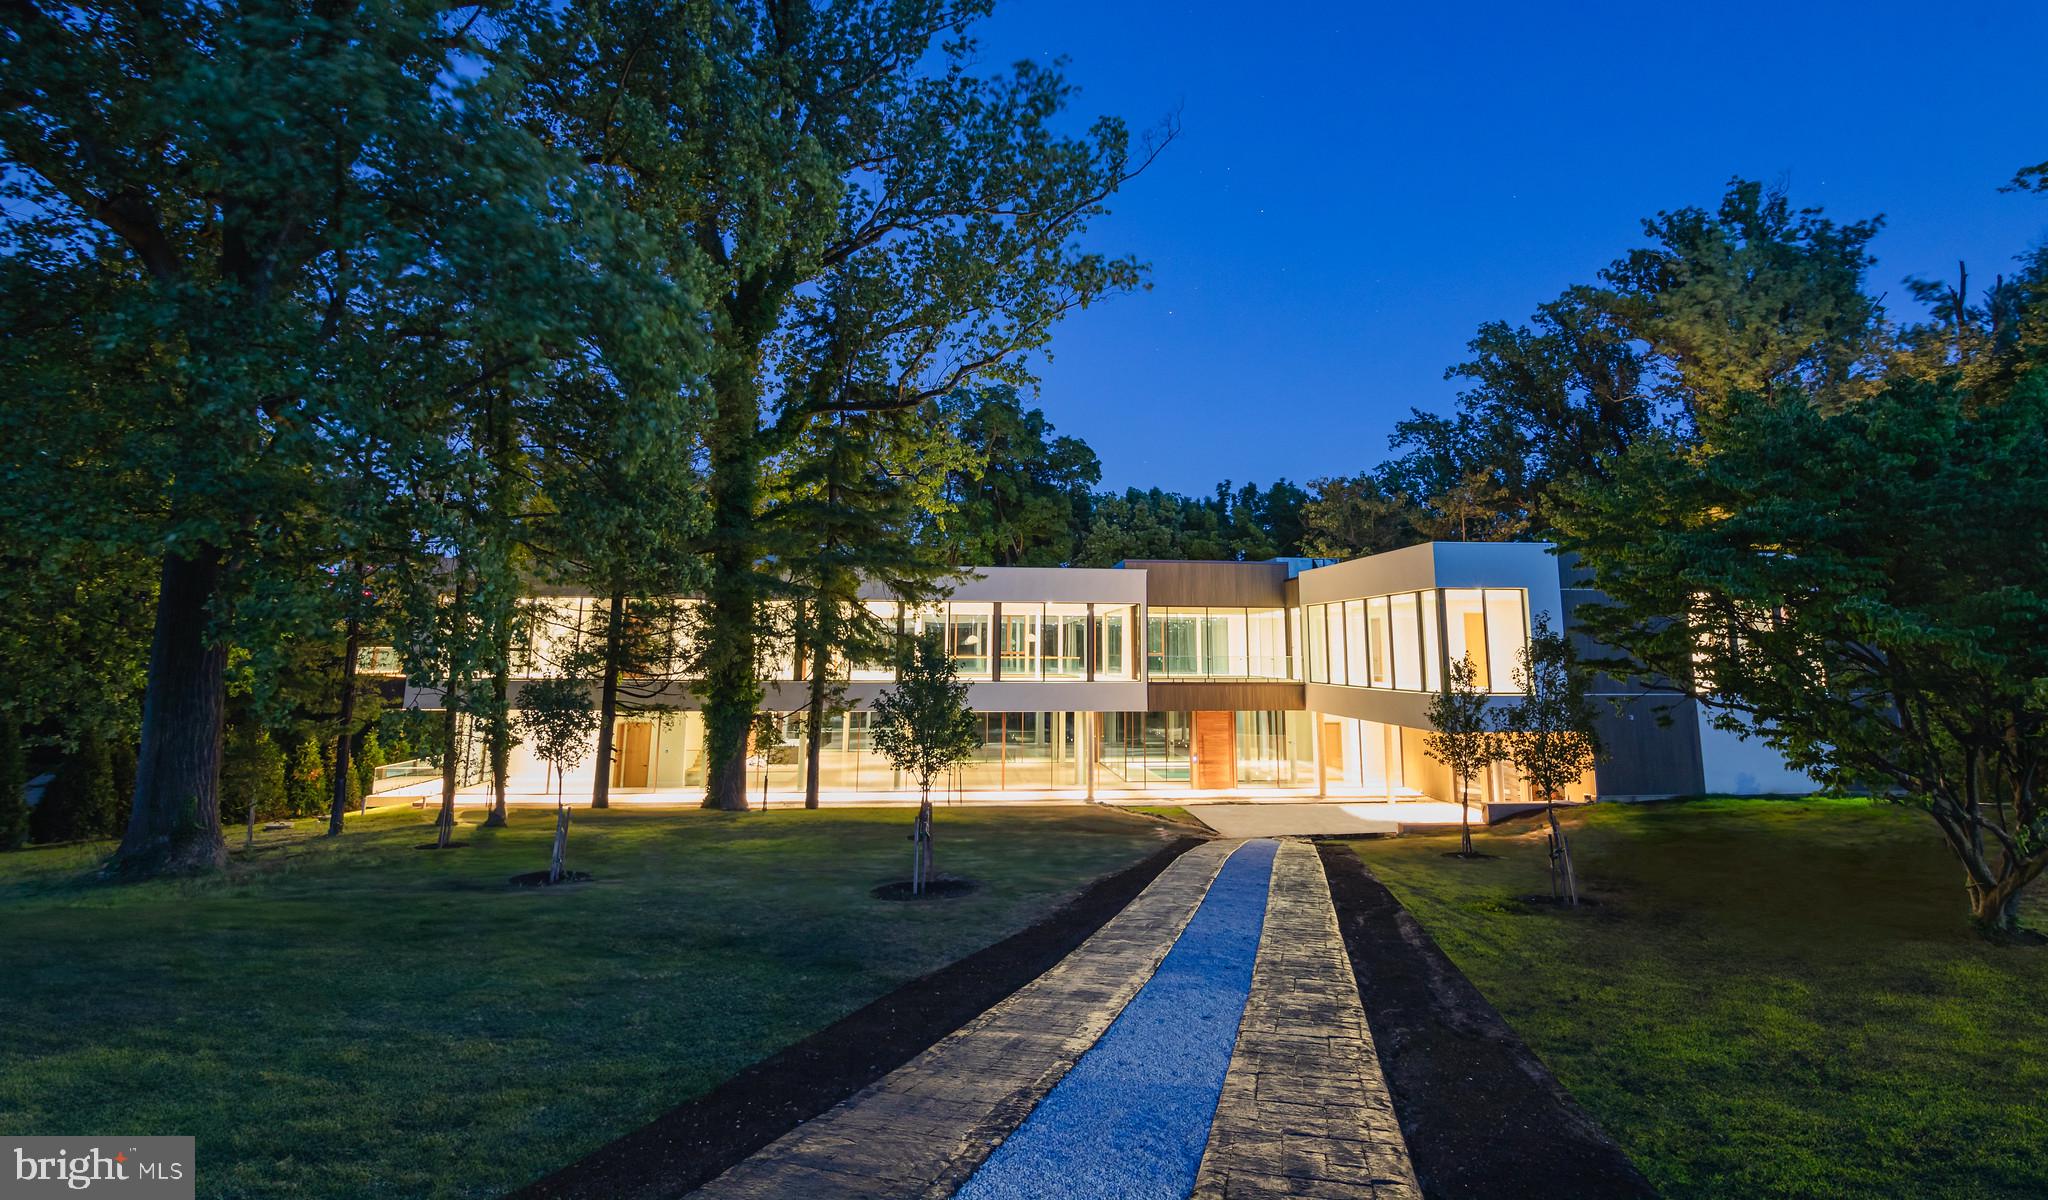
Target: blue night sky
[1357, 187]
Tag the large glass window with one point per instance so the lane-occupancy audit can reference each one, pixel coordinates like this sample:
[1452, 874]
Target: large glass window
[1225, 650]
[1407, 636]
[777, 644]
[1020, 640]
[1507, 632]
[880, 667]
[1173, 641]
[1355, 652]
[968, 638]
[1432, 666]
[1382, 643]
[1065, 641]
[1112, 642]
[1217, 643]
[1489, 626]
[1318, 639]
[1266, 747]
[1465, 631]
[1266, 641]
[1139, 750]
[929, 621]
[962, 629]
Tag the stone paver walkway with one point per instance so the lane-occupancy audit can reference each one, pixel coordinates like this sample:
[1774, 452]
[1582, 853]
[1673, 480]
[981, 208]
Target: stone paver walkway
[1305, 1109]
[924, 1128]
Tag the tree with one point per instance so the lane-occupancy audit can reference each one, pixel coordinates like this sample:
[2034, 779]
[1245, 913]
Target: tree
[1751, 299]
[1550, 736]
[924, 726]
[1263, 523]
[851, 500]
[1861, 589]
[621, 515]
[1023, 499]
[305, 783]
[13, 785]
[556, 716]
[1351, 517]
[1462, 737]
[946, 199]
[1155, 524]
[74, 618]
[252, 772]
[288, 236]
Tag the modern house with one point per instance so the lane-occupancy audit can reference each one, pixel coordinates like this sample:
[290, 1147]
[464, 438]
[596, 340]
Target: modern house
[1293, 677]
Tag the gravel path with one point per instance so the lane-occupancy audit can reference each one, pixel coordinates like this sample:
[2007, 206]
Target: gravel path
[1132, 1118]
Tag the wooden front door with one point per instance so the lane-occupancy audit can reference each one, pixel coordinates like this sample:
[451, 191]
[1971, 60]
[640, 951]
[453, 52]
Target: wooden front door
[636, 740]
[1333, 750]
[1215, 750]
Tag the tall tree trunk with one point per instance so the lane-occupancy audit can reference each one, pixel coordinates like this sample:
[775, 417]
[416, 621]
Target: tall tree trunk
[608, 699]
[451, 766]
[174, 825]
[501, 727]
[1995, 910]
[730, 686]
[1464, 818]
[344, 740]
[814, 716]
[451, 753]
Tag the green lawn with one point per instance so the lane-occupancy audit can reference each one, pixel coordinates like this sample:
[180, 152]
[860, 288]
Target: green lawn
[360, 1019]
[1774, 999]
[1166, 812]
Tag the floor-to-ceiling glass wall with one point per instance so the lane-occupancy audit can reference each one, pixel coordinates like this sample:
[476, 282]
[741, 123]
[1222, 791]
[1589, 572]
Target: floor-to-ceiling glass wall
[1022, 752]
[1364, 758]
[1158, 751]
[1217, 643]
[1273, 750]
[1141, 751]
[1114, 625]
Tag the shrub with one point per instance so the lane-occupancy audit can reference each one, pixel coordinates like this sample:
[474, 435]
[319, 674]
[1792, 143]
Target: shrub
[304, 795]
[368, 756]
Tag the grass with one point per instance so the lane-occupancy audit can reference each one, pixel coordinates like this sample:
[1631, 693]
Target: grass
[360, 1019]
[1772, 998]
[1165, 812]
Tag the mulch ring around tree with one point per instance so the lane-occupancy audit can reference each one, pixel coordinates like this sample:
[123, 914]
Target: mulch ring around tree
[540, 879]
[1482, 1115]
[937, 889]
[696, 1142]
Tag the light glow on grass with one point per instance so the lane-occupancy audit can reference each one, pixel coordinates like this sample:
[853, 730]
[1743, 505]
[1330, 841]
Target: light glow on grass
[1772, 998]
[352, 1018]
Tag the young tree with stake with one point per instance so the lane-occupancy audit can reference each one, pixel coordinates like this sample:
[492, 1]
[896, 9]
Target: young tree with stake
[556, 716]
[924, 727]
[1462, 738]
[1550, 736]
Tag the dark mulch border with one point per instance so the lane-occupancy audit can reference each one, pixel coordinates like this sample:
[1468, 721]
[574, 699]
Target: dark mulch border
[1484, 1118]
[942, 888]
[695, 1142]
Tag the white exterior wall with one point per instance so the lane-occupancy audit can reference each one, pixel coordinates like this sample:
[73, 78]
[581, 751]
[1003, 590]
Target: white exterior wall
[1736, 766]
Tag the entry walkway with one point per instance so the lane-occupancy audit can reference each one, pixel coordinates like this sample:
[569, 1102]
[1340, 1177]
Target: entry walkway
[1200, 1043]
